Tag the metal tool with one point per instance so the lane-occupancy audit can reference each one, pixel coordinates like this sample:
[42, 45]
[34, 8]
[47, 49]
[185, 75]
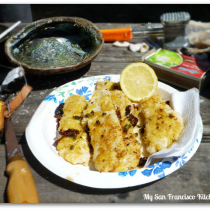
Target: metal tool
[21, 187]
[172, 28]
[9, 29]
[11, 76]
[128, 34]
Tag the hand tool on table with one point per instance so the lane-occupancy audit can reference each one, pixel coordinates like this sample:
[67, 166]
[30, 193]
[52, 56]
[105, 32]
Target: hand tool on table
[21, 186]
[172, 27]
[128, 34]
[6, 109]
[9, 29]
[11, 76]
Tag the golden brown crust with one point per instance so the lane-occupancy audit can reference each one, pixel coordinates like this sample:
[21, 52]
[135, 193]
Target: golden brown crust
[162, 124]
[73, 146]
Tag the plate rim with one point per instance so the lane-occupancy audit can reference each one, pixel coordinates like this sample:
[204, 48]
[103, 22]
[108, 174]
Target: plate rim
[128, 179]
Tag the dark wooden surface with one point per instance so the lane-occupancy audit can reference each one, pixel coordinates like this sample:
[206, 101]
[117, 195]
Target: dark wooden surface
[191, 179]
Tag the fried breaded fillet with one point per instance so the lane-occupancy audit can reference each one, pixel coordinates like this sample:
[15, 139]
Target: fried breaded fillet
[105, 131]
[73, 145]
[129, 123]
[108, 84]
[128, 117]
[162, 124]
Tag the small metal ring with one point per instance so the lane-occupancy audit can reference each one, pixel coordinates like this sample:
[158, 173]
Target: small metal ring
[9, 110]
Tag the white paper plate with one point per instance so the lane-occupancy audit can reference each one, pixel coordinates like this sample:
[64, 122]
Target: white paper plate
[41, 134]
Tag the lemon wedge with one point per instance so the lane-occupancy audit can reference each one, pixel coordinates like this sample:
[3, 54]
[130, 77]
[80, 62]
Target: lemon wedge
[138, 81]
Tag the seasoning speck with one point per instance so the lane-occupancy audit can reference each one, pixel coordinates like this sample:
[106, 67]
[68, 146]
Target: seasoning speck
[71, 147]
[126, 127]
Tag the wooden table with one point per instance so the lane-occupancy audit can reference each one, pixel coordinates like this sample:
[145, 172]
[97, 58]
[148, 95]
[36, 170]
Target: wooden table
[191, 179]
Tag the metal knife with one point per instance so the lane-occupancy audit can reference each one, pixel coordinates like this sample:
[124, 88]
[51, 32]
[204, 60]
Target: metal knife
[21, 186]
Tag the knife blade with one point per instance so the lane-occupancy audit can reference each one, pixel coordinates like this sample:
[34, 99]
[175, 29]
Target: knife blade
[21, 186]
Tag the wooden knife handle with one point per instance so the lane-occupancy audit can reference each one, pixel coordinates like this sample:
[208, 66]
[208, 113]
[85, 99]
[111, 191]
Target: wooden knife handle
[21, 187]
[3, 107]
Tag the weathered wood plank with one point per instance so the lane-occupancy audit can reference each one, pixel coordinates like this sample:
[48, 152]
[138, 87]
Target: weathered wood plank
[23, 115]
[191, 179]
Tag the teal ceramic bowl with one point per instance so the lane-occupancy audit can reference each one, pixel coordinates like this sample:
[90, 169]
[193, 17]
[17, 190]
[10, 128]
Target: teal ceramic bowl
[55, 45]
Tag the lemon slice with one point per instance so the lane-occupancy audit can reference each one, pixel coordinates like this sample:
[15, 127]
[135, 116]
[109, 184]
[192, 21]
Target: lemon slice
[138, 81]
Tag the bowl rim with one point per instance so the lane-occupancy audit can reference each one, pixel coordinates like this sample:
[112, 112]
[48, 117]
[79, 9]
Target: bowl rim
[39, 23]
